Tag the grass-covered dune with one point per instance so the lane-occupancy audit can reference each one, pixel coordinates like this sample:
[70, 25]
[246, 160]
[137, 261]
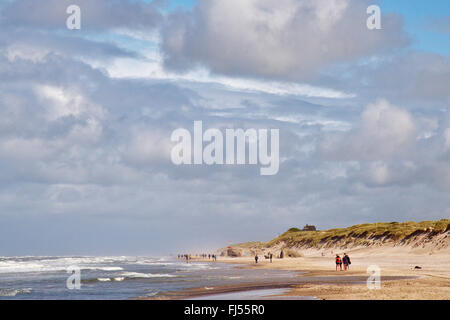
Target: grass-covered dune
[363, 234]
[415, 234]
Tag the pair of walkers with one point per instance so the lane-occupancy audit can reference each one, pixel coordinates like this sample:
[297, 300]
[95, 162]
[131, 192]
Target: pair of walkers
[345, 260]
[270, 257]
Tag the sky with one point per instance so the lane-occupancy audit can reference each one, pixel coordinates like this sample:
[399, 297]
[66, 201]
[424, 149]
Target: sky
[86, 118]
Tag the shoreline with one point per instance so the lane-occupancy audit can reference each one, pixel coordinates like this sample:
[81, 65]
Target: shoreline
[316, 277]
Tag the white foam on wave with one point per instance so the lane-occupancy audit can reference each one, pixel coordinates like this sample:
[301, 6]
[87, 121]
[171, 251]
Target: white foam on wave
[52, 265]
[155, 263]
[14, 292]
[12, 266]
[111, 279]
[103, 279]
[60, 264]
[102, 268]
[147, 275]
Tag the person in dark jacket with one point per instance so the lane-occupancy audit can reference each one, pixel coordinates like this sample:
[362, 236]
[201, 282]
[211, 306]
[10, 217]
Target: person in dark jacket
[347, 260]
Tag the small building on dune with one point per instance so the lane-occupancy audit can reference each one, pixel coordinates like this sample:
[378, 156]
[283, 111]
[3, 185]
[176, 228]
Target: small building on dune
[309, 228]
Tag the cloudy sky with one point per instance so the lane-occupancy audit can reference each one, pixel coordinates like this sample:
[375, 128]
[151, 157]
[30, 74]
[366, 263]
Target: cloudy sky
[86, 117]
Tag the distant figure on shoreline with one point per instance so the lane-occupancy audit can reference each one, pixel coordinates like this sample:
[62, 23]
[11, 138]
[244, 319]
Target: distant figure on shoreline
[338, 262]
[256, 258]
[346, 261]
[270, 256]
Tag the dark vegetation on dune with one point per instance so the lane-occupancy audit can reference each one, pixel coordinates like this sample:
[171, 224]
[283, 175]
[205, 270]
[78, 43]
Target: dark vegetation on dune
[367, 234]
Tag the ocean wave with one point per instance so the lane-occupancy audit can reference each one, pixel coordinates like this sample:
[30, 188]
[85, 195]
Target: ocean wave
[32, 264]
[102, 268]
[119, 278]
[111, 279]
[23, 267]
[13, 267]
[104, 279]
[14, 292]
[147, 275]
[130, 276]
[152, 262]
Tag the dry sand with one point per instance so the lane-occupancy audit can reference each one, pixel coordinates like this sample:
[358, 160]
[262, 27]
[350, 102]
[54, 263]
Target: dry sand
[432, 282]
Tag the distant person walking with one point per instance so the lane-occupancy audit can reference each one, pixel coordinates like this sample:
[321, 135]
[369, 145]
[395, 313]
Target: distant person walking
[270, 256]
[338, 262]
[256, 258]
[347, 261]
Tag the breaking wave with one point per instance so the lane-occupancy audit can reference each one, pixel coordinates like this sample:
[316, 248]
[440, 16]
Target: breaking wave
[14, 292]
[147, 275]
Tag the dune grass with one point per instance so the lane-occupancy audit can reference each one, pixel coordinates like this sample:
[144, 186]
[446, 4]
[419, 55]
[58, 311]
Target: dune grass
[362, 233]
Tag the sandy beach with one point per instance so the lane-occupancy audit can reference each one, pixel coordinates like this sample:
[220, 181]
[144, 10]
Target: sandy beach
[399, 278]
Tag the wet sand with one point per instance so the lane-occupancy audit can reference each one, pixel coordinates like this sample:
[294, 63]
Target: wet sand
[258, 294]
[268, 290]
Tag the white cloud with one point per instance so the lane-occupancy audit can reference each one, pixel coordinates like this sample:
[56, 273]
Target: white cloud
[384, 130]
[148, 147]
[447, 138]
[62, 102]
[21, 149]
[154, 69]
[80, 143]
[281, 39]
[26, 52]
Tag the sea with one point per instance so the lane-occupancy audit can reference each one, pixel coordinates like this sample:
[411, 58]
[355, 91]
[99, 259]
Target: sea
[119, 278]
